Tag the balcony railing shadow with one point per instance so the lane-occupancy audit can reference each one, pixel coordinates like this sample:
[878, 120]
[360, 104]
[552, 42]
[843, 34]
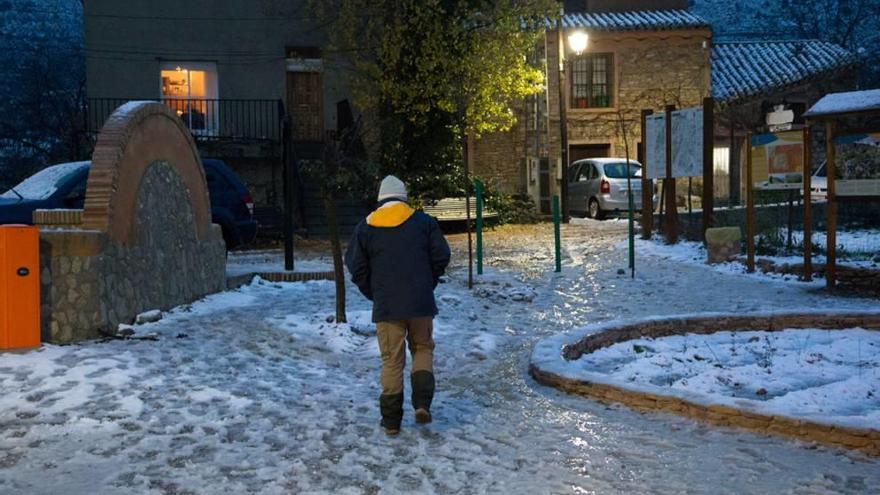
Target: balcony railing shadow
[208, 119]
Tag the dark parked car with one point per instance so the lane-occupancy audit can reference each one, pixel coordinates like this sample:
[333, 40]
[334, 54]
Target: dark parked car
[64, 186]
[231, 204]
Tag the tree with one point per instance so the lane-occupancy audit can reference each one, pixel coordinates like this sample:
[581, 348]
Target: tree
[342, 171]
[42, 90]
[430, 71]
[853, 24]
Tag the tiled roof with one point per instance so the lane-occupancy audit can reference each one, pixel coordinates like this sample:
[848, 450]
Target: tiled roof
[743, 70]
[658, 20]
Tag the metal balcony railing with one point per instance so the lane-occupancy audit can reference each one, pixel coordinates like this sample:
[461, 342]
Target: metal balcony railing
[207, 119]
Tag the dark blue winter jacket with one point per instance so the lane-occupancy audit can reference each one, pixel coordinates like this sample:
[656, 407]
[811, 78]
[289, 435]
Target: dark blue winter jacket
[395, 257]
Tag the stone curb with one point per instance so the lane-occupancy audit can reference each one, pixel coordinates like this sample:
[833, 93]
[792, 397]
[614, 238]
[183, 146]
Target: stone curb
[864, 440]
[296, 276]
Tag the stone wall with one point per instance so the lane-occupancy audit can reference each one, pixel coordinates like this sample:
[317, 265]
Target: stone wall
[867, 441]
[146, 240]
[499, 158]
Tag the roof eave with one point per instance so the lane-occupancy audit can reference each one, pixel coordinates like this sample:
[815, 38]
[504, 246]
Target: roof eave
[742, 98]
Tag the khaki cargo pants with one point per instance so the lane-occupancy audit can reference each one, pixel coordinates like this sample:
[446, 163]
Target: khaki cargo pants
[393, 337]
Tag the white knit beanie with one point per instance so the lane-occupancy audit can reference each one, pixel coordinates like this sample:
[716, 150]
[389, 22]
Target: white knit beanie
[392, 187]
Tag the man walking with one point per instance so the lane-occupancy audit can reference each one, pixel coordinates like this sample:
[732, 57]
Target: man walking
[396, 257]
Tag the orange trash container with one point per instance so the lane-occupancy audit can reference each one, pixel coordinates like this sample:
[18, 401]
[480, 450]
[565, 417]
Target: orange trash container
[19, 287]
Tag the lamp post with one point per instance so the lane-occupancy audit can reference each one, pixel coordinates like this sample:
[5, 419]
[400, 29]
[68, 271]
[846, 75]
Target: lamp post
[577, 41]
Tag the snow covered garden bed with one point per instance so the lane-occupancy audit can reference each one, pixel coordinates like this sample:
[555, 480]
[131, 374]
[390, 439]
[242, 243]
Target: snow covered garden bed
[812, 376]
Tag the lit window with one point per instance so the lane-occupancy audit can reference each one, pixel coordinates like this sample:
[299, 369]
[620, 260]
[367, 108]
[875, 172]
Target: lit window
[190, 89]
[591, 81]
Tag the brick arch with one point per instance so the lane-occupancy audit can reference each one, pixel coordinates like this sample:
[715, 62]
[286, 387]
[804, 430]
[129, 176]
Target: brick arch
[136, 135]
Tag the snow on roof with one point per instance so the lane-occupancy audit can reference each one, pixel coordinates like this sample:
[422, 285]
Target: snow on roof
[745, 69]
[852, 101]
[632, 161]
[44, 183]
[657, 20]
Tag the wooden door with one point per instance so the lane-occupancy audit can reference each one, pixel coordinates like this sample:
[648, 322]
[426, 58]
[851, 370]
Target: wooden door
[544, 186]
[582, 151]
[305, 98]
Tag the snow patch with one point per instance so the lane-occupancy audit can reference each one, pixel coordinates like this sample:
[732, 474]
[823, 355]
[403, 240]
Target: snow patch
[826, 376]
[339, 338]
[851, 101]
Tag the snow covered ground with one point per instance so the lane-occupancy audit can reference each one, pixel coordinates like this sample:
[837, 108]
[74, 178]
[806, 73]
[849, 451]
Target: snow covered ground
[694, 253]
[253, 391]
[825, 376]
[864, 243]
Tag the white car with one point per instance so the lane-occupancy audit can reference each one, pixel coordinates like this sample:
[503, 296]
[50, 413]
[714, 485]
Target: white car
[819, 184]
[598, 186]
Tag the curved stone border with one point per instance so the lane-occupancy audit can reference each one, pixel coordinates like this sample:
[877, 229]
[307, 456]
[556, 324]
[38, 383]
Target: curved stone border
[865, 440]
[296, 276]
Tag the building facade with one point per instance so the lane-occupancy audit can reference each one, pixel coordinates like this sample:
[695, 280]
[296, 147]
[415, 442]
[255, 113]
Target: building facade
[634, 60]
[639, 59]
[231, 69]
[752, 78]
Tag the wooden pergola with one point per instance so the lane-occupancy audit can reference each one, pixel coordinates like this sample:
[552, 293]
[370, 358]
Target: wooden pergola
[830, 111]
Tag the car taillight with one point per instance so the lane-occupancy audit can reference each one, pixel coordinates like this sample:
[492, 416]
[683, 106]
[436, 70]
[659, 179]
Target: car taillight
[605, 188]
[249, 202]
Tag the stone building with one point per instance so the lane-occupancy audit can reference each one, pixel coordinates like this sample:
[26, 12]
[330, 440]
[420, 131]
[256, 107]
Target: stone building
[646, 55]
[750, 79]
[634, 60]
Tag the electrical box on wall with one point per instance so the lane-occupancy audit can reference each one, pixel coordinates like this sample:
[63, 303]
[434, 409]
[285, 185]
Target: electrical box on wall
[533, 170]
[19, 287]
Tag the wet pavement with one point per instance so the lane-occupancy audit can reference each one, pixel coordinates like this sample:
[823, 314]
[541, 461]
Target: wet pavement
[260, 396]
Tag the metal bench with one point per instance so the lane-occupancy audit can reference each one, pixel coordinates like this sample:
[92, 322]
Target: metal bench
[453, 210]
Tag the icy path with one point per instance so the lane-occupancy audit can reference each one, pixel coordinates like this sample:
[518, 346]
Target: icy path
[257, 396]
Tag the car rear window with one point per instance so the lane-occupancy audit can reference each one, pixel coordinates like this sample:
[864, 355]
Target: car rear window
[618, 170]
[43, 184]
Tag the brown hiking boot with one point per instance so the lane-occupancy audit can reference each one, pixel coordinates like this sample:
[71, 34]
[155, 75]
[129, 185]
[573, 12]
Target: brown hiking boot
[423, 416]
[422, 395]
[391, 407]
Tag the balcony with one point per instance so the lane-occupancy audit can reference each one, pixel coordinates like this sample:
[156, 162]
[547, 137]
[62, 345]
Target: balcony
[235, 120]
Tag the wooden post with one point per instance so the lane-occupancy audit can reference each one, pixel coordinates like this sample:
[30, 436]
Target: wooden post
[831, 209]
[750, 208]
[647, 184]
[708, 164]
[808, 220]
[288, 162]
[557, 240]
[671, 220]
[733, 166]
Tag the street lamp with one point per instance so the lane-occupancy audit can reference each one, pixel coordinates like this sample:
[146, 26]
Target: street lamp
[577, 41]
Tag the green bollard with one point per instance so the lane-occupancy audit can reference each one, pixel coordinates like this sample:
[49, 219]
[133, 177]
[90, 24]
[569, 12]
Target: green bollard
[557, 234]
[479, 188]
[632, 231]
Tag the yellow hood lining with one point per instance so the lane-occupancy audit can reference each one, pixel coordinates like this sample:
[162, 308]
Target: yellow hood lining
[390, 215]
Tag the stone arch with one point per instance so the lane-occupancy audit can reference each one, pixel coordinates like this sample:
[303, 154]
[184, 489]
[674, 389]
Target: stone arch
[136, 135]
